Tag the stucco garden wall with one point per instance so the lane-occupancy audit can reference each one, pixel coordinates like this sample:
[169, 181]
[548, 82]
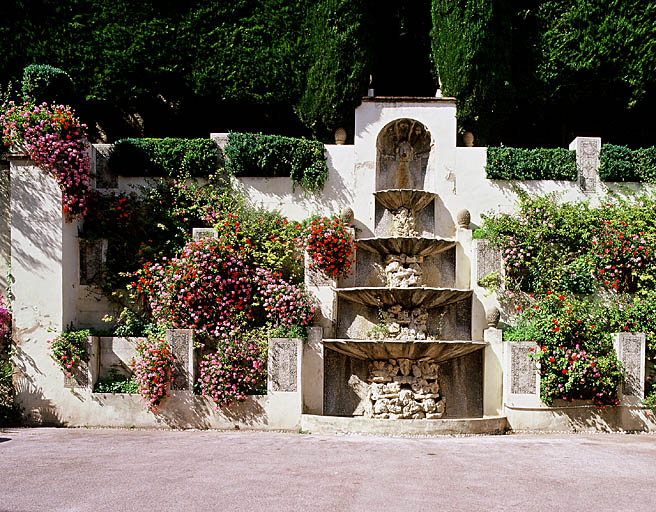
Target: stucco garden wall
[48, 296]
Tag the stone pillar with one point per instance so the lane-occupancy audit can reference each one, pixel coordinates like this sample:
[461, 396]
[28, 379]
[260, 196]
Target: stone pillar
[181, 342]
[630, 349]
[322, 288]
[198, 233]
[45, 275]
[521, 379]
[98, 158]
[488, 259]
[587, 161]
[493, 372]
[284, 365]
[86, 373]
[312, 372]
[463, 262]
[93, 256]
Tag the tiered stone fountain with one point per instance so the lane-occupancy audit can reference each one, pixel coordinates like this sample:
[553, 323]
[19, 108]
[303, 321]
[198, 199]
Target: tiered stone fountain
[403, 346]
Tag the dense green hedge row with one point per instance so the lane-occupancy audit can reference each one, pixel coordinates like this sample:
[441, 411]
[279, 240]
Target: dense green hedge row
[530, 164]
[619, 163]
[165, 157]
[250, 154]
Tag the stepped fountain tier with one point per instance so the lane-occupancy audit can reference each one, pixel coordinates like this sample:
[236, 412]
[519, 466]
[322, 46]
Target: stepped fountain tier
[408, 245]
[437, 351]
[412, 199]
[410, 297]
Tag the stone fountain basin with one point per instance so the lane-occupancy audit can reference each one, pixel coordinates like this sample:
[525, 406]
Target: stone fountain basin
[396, 198]
[425, 297]
[433, 350]
[412, 246]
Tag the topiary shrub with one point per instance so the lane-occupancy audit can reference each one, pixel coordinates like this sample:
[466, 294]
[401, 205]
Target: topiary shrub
[251, 154]
[530, 164]
[170, 157]
[44, 83]
[619, 163]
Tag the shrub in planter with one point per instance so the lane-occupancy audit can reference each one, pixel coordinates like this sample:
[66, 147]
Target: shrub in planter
[153, 371]
[329, 245]
[68, 349]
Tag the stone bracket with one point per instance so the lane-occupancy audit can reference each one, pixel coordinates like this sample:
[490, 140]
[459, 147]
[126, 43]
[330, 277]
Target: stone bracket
[181, 342]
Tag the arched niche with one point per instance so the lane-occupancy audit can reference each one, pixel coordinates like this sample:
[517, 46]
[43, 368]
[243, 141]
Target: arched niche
[402, 148]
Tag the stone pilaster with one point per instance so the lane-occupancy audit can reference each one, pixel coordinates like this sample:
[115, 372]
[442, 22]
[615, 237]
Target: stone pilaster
[181, 342]
[630, 349]
[587, 161]
[521, 379]
[493, 372]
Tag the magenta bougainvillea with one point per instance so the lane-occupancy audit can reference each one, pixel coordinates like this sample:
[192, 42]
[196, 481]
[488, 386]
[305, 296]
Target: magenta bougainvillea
[54, 138]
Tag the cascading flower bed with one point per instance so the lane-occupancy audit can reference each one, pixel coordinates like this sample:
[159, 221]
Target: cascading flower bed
[54, 138]
[212, 288]
[329, 245]
[153, 371]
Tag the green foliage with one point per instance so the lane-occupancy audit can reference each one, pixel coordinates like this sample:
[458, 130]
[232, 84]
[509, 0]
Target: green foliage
[9, 411]
[340, 59]
[530, 164]
[249, 154]
[619, 163]
[573, 275]
[472, 58]
[116, 382]
[68, 349]
[44, 83]
[165, 157]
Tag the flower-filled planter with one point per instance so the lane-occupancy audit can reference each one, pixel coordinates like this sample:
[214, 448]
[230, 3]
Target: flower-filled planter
[329, 245]
[70, 351]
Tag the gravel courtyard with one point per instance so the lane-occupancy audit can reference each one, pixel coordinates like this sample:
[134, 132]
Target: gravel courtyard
[154, 470]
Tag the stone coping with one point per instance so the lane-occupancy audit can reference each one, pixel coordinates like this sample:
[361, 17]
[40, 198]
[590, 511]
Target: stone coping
[408, 99]
[434, 350]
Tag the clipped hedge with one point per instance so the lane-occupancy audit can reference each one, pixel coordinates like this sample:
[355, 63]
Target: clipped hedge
[251, 154]
[164, 157]
[43, 83]
[530, 164]
[619, 163]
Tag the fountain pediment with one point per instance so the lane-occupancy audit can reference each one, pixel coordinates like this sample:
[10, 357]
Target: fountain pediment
[412, 246]
[425, 350]
[411, 297]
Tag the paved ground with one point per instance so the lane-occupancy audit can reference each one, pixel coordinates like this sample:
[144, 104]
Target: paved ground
[149, 470]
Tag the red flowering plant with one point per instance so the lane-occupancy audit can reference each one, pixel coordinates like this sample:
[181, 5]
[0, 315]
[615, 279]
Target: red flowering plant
[54, 138]
[329, 245]
[207, 288]
[69, 349]
[153, 371]
[576, 357]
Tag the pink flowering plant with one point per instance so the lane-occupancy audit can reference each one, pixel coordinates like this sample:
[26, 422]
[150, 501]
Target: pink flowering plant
[153, 371]
[237, 369]
[54, 138]
[329, 245]
[69, 349]
[5, 320]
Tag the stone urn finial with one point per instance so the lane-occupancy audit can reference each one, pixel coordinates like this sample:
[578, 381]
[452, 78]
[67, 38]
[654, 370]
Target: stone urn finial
[468, 139]
[463, 218]
[492, 317]
[347, 216]
[340, 136]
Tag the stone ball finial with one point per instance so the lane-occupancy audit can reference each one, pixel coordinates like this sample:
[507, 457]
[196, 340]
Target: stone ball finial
[468, 139]
[492, 316]
[347, 216]
[463, 218]
[340, 136]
